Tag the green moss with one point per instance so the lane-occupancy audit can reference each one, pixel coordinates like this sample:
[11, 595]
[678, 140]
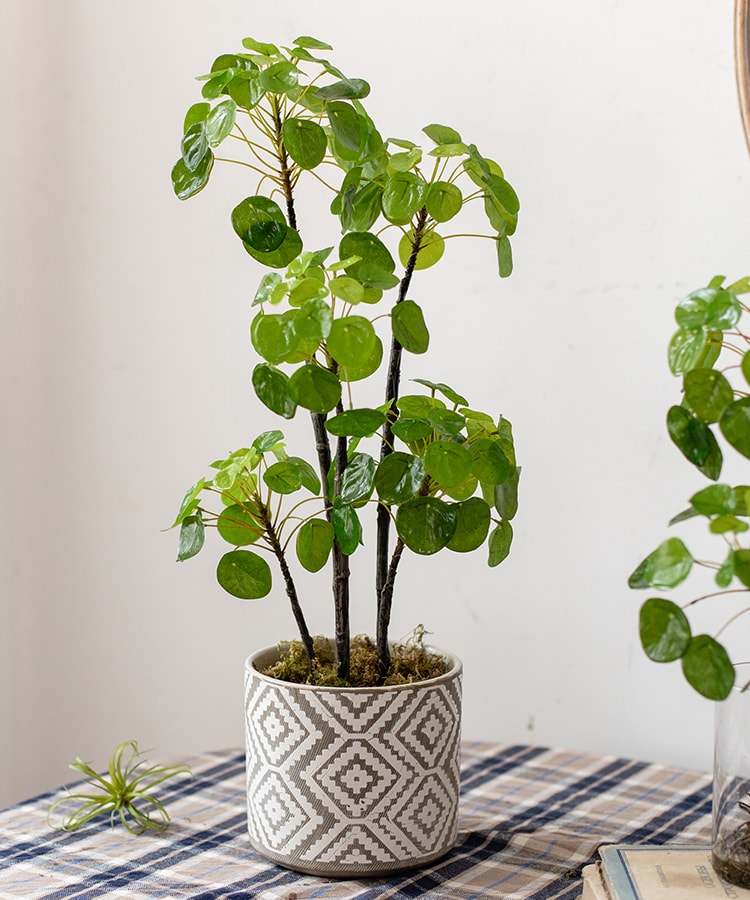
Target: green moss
[410, 662]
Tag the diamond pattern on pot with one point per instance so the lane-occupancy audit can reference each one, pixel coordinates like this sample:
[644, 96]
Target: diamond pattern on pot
[275, 728]
[358, 845]
[428, 730]
[358, 712]
[427, 813]
[283, 820]
[356, 778]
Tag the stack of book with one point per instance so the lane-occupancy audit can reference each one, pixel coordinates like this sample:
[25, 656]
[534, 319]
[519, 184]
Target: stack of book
[645, 872]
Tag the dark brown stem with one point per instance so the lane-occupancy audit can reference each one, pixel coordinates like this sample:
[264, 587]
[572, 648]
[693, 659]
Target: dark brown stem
[383, 569]
[341, 568]
[291, 589]
[284, 168]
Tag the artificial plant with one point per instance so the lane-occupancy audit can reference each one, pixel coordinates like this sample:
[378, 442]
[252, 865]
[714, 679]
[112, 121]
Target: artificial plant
[711, 354]
[441, 471]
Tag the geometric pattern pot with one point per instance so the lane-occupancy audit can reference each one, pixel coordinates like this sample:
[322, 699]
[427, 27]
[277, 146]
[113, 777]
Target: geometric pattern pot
[352, 782]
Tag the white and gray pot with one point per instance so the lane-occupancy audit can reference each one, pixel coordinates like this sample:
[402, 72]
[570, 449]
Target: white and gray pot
[352, 782]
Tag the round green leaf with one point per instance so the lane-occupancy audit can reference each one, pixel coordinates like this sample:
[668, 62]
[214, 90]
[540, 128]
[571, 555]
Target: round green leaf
[273, 336]
[664, 629]
[314, 543]
[664, 568]
[308, 475]
[409, 329]
[686, 349]
[506, 495]
[369, 249]
[447, 463]
[347, 129]
[488, 462]
[446, 391]
[305, 142]
[260, 223]
[289, 250]
[399, 477]
[347, 289]
[403, 195]
[352, 340]
[194, 146]
[244, 574]
[442, 134]
[715, 500]
[315, 388]
[446, 421]
[192, 536]
[238, 526]
[412, 430]
[707, 393]
[220, 121]
[695, 440]
[725, 524]
[187, 183]
[741, 565]
[472, 525]
[245, 88]
[313, 320]
[364, 368]
[723, 311]
[692, 311]
[346, 526]
[500, 542]
[280, 77]
[746, 366]
[359, 476]
[356, 423]
[504, 256]
[443, 200]
[426, 524]
[197, 113]
[284, 477]
[707, 667]
[346, 89]
[272, 389]
[735, 425]
[463, 490]
[268, 440]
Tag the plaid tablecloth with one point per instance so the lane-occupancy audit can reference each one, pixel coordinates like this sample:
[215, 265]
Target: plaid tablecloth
[531, 818]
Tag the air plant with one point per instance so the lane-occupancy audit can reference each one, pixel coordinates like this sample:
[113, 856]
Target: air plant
[126, 794]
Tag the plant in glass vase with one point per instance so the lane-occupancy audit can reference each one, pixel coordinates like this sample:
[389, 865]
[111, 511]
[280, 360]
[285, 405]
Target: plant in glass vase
[440, 473]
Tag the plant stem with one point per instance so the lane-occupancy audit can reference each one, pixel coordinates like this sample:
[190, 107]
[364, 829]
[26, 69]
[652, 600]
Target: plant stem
[286, 173]
[341, 571]
[264, 514]
[385, 574]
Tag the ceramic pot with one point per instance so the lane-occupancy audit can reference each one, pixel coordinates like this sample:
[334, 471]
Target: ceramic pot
[731, 788]
[352, 782]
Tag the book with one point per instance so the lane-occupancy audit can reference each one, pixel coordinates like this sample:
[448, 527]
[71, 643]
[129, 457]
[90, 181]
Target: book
[650, 872]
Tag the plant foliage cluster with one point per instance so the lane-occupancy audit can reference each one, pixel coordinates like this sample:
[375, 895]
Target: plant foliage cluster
[441, 473]
[709, 351]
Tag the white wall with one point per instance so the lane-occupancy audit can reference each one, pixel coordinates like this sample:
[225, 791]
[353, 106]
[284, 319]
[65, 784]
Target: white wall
[125, 361]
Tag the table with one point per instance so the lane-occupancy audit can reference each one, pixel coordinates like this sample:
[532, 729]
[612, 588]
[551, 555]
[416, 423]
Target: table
[531, 818]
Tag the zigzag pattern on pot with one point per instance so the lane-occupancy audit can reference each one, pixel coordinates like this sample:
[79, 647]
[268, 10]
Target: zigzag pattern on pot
[352, 779]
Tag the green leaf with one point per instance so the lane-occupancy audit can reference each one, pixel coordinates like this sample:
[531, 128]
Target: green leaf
[346, 527]
[187, 183]
[664, 629]
[442, 134]
[272, 389]
[746, 366]
[305, 141]
[192, 536]
[695, 440]
[404, 162]
[189, 502]
[504, 257]
[443, 200]
[726, 573]
[347, 289]
[260, 223]
[265, 49]
[449, 150]
[503, 194]
[707, 393]
[273, 336]
[311, 43]
[364, 368]
[472, 525]
[244, 574]
[409, 329]
[346, 126]
[447, 463]
[399, 477]
[270, 283]
[506, 495]
[446, 422]
[723, 310]
[412, 430]
[426, 524]
[707, 667]
[741, 286]
[403, 195]
[741, 565]
[725, 524]
[735, 425]
[500, 541]
[351, 341]
[267, 441]
[431, 249]
[315, 388]
[289, 250]
[443, 389]
[238, 526]
[346, 89]
[246, 89]
[283, 477]
[664, 568]
[686, 349]
[357, 423]
[715, 500]
[314, 543]
[314, 320]
[488, 462]
[197, 113]
[194, 146]
[358, 478]
[308, 475]
[369, 250]
[220, 121]
[280, 77]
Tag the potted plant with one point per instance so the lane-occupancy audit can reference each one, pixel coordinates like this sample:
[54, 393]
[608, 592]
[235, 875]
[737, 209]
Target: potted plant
[710, 352]
[370, 731]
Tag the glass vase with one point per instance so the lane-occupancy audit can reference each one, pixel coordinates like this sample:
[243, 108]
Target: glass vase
[731, 789]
